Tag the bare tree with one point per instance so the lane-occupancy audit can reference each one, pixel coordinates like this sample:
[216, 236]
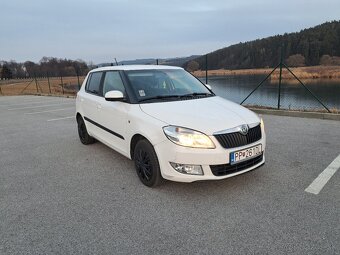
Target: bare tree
[296, 60]
[327, 60]
[192, 66]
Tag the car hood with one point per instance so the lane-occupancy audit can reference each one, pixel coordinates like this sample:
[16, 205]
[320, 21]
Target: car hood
[208, 115]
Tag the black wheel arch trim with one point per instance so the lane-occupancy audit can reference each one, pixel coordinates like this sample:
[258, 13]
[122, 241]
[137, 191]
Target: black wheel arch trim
[104, 128]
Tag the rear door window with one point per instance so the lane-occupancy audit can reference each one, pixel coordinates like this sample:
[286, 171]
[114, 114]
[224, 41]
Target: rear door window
[93, 84]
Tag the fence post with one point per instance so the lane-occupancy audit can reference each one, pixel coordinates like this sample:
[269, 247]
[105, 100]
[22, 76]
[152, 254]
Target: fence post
[280, 79]
[78, 81]
[36, 82]
[157, 61]
[206, 68]
[49, 85]
[62, 83]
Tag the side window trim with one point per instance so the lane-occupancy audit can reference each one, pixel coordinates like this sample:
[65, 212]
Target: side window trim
[100, 92]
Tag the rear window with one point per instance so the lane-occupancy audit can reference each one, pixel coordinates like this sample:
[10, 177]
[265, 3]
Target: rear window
[94, 83]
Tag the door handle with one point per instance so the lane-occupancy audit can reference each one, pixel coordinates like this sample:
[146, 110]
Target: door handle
[82, 100]
[99, 106]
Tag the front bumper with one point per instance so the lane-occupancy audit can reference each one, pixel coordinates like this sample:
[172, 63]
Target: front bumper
[167, 152]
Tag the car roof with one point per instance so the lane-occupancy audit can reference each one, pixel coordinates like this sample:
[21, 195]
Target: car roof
[136, 67]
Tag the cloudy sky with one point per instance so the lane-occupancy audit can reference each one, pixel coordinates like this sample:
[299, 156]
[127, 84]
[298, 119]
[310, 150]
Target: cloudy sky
[100, 30]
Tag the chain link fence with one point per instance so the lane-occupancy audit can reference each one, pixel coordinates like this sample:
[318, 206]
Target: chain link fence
[293, 96]
[268, 90]
[278, 88]
[42, 85]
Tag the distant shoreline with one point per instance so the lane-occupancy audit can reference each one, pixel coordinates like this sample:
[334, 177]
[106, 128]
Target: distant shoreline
[307, 72]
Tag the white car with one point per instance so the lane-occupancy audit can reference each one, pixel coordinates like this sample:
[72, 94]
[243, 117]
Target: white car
[171, 124]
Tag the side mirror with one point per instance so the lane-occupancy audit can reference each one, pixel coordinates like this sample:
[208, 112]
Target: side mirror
[114, 95]
[208, 86]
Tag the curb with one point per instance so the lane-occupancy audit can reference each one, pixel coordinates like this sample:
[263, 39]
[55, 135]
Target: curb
[313, 115]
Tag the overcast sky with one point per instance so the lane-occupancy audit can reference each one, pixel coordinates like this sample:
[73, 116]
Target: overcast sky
[99, 30]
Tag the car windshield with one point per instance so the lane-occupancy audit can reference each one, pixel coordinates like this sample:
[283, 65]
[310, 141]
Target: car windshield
[166, 84]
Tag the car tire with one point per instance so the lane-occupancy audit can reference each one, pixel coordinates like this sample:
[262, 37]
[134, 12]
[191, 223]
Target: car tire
[84, 137]
[146, 164]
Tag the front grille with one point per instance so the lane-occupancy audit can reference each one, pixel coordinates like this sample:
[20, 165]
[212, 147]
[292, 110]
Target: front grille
[236, 139]
[219, 170]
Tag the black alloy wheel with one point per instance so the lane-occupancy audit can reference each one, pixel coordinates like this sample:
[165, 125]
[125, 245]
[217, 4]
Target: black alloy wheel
[146, 164]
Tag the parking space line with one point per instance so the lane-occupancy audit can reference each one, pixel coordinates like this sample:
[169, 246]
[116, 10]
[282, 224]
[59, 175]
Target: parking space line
[13, 98]
[55, 110]
[38, 106]
[316, 186]
[8, 103]
[64, 118]
[34, 102]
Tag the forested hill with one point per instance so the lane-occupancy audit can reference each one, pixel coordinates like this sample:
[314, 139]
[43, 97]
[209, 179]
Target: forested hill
[301, 48]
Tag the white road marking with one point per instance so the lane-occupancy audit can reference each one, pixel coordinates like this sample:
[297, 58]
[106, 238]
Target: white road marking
[33, 102]
[56, 110]
[62, 118]
[316, 186]
[6, 99]
[9, 102]
[38, 106]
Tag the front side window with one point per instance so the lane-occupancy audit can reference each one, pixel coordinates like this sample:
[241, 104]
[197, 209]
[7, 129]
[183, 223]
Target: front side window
[94, 83]
[112, 81]
[160, 85]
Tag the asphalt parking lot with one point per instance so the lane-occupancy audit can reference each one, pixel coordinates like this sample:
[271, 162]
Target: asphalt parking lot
[58, 196]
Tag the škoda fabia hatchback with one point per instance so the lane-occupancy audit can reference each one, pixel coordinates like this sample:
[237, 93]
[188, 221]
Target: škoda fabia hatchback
[169, 123]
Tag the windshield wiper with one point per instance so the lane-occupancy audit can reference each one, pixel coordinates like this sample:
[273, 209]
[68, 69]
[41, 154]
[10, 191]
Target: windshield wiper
[159, 97]
[196, 94]
[175, 96]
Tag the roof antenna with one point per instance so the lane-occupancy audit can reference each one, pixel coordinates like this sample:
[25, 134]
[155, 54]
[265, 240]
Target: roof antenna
[116, 62]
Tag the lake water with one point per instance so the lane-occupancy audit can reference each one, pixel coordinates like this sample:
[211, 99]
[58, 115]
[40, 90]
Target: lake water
[293, 95]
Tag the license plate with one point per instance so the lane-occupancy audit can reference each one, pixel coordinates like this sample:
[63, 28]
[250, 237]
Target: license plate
[245, 154]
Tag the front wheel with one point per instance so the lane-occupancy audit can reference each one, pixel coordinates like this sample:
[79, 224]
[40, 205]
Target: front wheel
[146, 164]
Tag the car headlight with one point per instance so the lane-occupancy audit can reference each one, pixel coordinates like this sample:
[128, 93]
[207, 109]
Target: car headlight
[188, 137]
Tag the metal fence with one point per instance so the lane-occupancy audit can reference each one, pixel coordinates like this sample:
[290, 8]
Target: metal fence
[274, 91]
[260, 91]
[42, 85]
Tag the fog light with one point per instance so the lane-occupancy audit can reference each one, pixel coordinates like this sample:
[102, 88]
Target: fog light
[187, 169]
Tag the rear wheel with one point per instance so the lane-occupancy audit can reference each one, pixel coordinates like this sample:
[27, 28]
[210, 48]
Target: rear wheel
[84, 137]
[146, 164]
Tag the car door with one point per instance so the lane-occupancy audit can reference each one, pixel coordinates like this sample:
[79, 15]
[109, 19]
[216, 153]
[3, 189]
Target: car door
[113, 114]
[90, 101]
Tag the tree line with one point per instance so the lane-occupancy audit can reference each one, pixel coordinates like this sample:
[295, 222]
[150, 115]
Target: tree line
[47, 66]
[312, 46]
